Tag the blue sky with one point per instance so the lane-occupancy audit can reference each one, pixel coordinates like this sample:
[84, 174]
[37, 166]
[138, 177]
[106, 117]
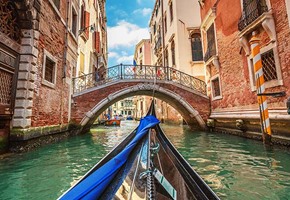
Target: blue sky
[128, 23]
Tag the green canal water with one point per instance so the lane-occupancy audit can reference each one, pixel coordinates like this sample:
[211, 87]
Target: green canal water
[235, 168]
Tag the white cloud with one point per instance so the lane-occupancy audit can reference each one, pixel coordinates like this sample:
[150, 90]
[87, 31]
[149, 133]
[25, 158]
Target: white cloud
[125, 59]
[144, 11]
[113, 54]
[125, 34]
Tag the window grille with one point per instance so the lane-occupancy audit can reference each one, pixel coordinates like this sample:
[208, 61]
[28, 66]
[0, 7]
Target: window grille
[252, 9]
[211, 47]
[9, 23]
[216, 87]
[269, 67]
[49, 70]
[196, 47]
[5, 87]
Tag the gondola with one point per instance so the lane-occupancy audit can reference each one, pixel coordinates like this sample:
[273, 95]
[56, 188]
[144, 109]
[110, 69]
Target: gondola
[145, 165]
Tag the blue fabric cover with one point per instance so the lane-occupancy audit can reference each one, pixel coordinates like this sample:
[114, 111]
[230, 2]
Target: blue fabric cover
[93, 186]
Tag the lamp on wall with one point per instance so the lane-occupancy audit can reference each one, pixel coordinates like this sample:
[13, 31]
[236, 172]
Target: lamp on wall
[92, 29]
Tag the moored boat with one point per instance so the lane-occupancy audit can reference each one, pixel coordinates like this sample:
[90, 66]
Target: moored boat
[113, 122]
[145, 165]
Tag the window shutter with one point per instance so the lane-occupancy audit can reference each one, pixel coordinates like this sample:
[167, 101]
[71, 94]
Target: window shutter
[87, 23]
[97, 41]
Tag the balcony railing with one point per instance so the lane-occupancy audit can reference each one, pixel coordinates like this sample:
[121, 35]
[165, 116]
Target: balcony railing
[252, 10]
[140, 72]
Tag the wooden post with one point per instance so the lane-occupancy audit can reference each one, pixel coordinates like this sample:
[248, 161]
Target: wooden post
[260, 86]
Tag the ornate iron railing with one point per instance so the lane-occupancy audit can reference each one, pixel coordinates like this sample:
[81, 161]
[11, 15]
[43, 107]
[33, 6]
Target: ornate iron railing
[252, 10]
[139, 72]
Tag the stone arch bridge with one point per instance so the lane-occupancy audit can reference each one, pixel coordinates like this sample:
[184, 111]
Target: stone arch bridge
[95, 92]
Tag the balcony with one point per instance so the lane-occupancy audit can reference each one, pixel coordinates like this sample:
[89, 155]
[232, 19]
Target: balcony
[255, 15]
[252, 10]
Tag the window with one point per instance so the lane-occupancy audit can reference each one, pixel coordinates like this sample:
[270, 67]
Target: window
[271, 67]
[173, 52]
[166, 57]
[82, 64]
[74, 22]
[154, 28]
[49, 69]
[83, 16]
[140, 50]
[171, 11]
[211, 46]
[165, 23]
[196, 47]
[215, 87]
[56, 3]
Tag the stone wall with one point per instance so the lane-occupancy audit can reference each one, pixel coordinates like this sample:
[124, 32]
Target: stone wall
[39, 106]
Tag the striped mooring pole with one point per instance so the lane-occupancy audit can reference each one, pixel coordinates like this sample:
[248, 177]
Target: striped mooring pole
[260, 86]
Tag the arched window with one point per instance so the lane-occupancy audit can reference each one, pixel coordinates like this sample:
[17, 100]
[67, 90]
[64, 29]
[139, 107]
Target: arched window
[173, 52]
[196, 47]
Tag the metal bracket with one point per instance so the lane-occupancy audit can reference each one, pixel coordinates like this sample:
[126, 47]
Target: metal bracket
[273, 94]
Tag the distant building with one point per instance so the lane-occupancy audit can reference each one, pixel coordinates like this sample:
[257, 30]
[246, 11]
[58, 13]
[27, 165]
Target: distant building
[175, 36]
[124, 108]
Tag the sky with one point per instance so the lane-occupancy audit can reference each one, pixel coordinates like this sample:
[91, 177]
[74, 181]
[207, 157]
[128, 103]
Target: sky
[128, 24]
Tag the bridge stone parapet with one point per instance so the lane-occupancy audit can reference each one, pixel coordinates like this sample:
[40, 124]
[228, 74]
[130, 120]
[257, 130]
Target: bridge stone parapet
[193, 105]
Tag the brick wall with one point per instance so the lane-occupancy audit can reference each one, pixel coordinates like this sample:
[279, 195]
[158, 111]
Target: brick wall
[50, 105]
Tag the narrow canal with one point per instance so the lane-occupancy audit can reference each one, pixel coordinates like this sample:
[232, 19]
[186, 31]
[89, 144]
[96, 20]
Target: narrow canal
[234, 167]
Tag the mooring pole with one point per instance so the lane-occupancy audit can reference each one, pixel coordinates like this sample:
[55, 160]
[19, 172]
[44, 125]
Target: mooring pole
[260, 86]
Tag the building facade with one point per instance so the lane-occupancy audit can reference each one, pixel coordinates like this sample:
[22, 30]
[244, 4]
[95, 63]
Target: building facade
[92, 37]
[226, 29]
[39, 58]
[124, 108]
[175, 36]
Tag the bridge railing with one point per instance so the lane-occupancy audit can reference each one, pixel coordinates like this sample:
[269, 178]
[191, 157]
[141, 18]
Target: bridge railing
[137, 72]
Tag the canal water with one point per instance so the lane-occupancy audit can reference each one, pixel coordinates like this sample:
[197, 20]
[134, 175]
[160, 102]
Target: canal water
[234, 167]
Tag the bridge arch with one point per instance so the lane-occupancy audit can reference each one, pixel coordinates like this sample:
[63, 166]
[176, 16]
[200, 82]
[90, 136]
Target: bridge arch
[89, 104]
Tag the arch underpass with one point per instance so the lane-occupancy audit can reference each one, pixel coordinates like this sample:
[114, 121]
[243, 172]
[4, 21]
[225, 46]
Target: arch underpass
[90, 103]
